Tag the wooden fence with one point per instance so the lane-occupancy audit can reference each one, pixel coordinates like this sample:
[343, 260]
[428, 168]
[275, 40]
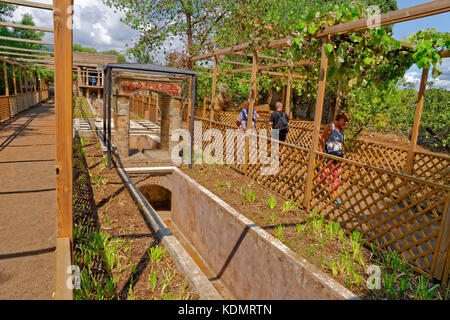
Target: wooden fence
[426, 165]
[144, 106]
[13, 104]
[394, 211]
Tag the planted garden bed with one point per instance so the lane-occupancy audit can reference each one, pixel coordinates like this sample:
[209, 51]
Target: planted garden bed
[323, 243]
[118, 254]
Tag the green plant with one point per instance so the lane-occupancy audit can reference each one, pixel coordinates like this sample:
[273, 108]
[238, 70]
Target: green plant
[156, 253]
[423, 291]
[249, 197]
[279, 232]
[286, 206]
[310, 250]
[332, 229]
[108, 221]
[271, 202]
[183, 289]
[152, 279]
[334, 268]
[273, 217]
[130, 291]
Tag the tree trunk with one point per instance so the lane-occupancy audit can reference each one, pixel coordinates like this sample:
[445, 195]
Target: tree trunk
[189, 38]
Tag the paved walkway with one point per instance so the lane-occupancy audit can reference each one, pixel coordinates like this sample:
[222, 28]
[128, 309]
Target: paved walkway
[28, 205]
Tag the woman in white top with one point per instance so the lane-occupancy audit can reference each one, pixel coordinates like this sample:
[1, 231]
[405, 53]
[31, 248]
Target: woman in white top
[332, 142]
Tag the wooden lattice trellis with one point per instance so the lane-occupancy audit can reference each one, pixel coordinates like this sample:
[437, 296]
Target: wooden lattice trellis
[392, 210]
[428, 166]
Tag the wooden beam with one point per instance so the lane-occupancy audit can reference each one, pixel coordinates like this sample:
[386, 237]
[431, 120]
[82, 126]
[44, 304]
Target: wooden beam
[34, 80]
[49, 60]
[26, 50]
[317, 121]
[11, 62]
[26, 40]
[287, 41]
[415, 131]
[283, 74]
[406, 14]
[288, 93]
[253, 93]
[63, 115]
[235, 62]
[445, 53]
[30, 4]
[24, 26]
[302, 62]
[213, 94]
[260, 56]
[14, 77]
[5, 72]
[20, 79]
[24, 55]
[25, 80]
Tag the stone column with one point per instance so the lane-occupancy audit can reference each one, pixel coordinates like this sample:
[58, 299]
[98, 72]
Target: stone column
[122, 125]
[170, 120]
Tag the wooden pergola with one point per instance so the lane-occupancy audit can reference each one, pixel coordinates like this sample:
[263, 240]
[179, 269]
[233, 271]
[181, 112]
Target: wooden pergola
[411, 13]
[256, 67]
[60, 61]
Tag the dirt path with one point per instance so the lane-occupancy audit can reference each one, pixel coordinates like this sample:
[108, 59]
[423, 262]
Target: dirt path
[28, 205]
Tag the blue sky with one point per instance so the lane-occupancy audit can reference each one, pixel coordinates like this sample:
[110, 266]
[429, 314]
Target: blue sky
[101, 28]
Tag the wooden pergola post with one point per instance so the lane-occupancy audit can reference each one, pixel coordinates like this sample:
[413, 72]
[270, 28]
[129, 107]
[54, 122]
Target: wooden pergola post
[63, 106]
[5, 72]
[288, 93]
[34, 80]
[415, 131]
[20, 79]
[251, 107]
[213, 96]
[25, 80]
[13, 66]
[317, 121]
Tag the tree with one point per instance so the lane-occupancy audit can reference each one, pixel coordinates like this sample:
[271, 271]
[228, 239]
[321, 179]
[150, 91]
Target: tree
[192, 22]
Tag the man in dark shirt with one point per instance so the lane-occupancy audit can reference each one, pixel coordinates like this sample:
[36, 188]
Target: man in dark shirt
[279, 120]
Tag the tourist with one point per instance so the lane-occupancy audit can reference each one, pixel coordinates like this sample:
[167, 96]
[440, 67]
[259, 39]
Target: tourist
[332, 143]
[242, 118]
[279, 120]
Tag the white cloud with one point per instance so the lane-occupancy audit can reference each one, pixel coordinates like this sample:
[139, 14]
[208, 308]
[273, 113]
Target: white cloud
[413, 76]
[99, 28]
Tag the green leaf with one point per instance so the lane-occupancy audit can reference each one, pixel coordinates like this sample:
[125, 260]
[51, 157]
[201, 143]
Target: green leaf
[328, 48]
[367, 60]
[312, 28]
